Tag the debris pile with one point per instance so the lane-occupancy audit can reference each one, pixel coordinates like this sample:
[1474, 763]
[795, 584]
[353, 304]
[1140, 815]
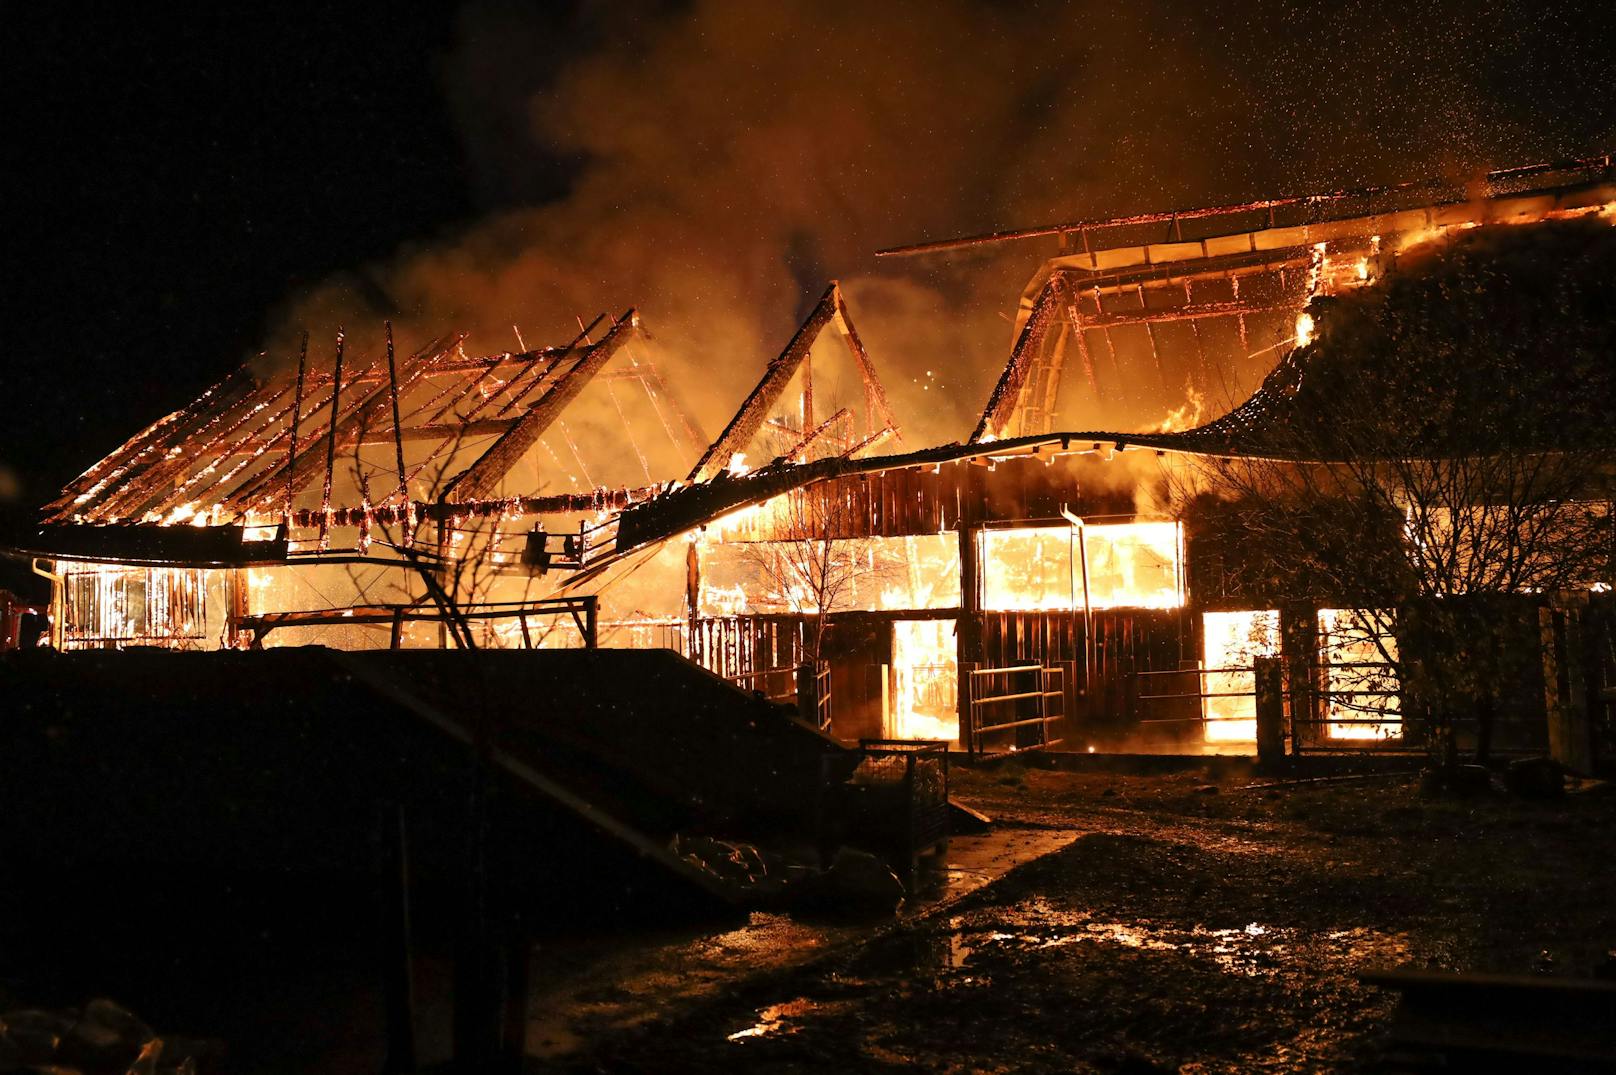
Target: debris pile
[103, 1038]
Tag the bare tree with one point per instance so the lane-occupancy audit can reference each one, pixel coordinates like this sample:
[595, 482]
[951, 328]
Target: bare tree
[457, 560]
[814, 563]
[811, 567]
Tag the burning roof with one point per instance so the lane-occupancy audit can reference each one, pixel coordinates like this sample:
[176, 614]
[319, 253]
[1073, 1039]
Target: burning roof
[258, 448]
[1542, 293]
[1180, 298]
[441, 434]
[1201, 301]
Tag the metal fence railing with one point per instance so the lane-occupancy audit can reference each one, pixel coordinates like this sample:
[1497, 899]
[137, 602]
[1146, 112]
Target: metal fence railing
[1365, 714]
[806, 686]
[1023, 699]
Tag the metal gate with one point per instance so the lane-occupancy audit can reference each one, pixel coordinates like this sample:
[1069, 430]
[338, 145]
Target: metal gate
[1021, 701]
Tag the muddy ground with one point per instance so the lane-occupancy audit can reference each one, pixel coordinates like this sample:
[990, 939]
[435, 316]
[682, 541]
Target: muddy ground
[1191, 926]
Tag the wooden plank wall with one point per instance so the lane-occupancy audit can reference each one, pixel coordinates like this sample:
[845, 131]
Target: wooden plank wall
[1125, 641]
[930, 500]
[735, 645]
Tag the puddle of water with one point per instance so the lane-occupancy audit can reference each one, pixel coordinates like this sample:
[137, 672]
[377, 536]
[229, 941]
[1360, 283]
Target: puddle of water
[787, 1017]
[1370, 946]
[775, 1019]
[1253, 949]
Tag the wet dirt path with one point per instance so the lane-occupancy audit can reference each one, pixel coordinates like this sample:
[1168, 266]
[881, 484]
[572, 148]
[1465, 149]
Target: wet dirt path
[1184, 929]
[592, 990]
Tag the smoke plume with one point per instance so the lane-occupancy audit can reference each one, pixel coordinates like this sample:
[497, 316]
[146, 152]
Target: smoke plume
[713, 163]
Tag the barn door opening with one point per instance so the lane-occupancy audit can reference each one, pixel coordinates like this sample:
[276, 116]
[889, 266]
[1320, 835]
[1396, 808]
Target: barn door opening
[925, 680]
[1231, 641]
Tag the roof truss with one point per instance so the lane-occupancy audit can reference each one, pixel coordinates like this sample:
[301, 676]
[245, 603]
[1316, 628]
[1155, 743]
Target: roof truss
[754, 411]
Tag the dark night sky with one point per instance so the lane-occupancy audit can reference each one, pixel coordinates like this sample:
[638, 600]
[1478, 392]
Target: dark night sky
[175, 180]
[179, 177]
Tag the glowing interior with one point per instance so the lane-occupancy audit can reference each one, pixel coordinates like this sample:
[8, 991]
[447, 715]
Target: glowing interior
[1230, 641]
[925, 680]
[113, 606]
[895, 573]
[1041, 568]
[1356, 673]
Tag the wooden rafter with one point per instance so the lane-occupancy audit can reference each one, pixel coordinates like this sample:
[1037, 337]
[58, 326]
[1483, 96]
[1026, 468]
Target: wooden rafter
[875, 394]
[515, 442]
[149, 445]
[311, 461]
[140, 491]
[749, 419]
[1002, 403]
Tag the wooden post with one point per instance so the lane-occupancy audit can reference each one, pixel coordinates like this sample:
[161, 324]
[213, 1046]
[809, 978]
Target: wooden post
[393, 907]
[807, 391]
[236, 590]
[968, 628]
[592, 622]
[808, 693]
[1299, 643]
[1565, 690]
[1268, 674]
[967, 719]
[297, 412]
[331, 449]
[398, 435]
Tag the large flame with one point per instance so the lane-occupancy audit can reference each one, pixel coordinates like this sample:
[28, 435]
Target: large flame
[925, 680]
[1095, 566]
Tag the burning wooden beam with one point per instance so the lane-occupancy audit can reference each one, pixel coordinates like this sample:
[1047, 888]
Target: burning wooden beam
[331, 448]
[358, 415]
[297, 416]
[482, 475]
[875, 394]
[749, 419]
[1002, 403]
[149, 445]
[1310, 208]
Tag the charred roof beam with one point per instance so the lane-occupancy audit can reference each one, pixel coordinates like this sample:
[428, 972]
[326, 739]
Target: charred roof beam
[476, 480]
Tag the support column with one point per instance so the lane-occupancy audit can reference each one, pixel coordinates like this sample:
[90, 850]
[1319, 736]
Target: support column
[968, 628]
[1269, 674]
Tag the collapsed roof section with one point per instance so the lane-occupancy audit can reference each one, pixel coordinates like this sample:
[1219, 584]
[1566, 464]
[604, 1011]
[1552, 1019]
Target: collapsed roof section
[1199, 303]
[438, 426]
[442, 435]
[1308, 247]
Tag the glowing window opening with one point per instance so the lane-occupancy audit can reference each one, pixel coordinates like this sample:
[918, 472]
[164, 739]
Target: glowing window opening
[925, 678]
[1360, 686]
[113, 606]
[1230, 641]
[1043, 568]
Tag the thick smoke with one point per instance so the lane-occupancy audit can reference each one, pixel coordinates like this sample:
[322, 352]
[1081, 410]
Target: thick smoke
[723, 159]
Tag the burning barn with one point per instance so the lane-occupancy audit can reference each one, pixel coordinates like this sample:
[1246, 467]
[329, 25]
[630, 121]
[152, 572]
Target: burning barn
[1039, 583]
